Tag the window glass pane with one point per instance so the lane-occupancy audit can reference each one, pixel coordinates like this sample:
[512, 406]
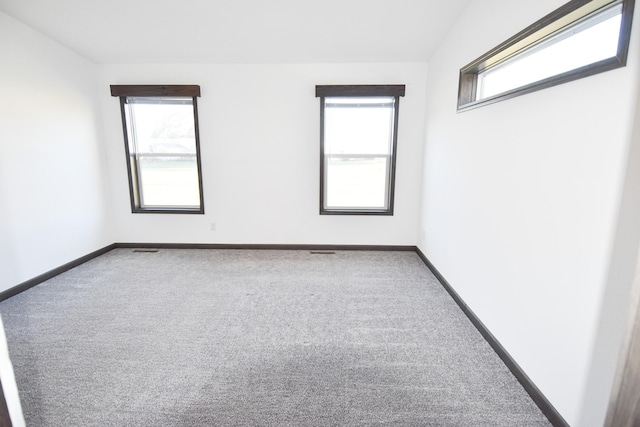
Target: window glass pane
[166, 127]
[356, 182]
[169, 181]
[586, 43]
[358, 125]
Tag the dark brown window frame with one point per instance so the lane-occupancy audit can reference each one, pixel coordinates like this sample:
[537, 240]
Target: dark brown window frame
[124, 91]
[468, 81]
[396, 91]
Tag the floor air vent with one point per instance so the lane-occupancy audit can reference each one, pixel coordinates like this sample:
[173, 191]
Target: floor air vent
[146, 250]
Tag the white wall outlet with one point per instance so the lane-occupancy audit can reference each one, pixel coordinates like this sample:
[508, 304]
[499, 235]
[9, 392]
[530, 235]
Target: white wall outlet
[212, 226]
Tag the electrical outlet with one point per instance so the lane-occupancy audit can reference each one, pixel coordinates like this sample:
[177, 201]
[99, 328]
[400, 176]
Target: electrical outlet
[212, 226]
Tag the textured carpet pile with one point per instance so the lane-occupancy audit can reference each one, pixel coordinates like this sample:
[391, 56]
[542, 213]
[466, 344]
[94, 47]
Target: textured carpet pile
[255, 338]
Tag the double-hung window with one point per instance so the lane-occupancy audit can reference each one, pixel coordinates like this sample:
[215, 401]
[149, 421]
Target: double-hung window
[359, 129]
[162, 146]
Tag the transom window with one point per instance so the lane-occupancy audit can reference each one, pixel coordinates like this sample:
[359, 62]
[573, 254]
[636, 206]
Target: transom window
[359, 127]
[162, 146]
[579, 39]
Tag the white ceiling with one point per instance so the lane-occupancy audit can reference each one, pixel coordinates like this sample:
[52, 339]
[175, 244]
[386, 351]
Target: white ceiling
[242, 31]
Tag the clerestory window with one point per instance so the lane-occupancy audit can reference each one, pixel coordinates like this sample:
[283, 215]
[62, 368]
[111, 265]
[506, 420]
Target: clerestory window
[579, 39]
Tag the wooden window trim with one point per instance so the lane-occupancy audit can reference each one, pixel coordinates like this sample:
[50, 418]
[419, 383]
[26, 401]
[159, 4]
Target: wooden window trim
[359, 90]
[155, 90]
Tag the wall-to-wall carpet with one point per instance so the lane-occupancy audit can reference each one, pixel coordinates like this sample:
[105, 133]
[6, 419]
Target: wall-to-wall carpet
[255, 337]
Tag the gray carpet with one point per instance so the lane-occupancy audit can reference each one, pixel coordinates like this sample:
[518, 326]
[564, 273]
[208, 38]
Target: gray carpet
[255, 338]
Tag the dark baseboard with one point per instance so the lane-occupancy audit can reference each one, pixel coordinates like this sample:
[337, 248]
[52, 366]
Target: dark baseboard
[536, 395]
[52, 273]
[266, 246]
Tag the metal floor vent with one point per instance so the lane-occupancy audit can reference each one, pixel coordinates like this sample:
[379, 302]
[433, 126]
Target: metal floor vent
[322, 253]
[146, 250]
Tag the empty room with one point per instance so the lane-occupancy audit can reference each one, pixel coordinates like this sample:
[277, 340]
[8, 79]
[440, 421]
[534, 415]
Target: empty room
[345, 213]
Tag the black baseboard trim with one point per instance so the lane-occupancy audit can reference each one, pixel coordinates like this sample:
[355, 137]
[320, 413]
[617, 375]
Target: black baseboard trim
[536, 395]
[266, 246]
[8, 293]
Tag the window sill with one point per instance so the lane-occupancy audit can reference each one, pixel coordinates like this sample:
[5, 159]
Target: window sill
[169, 211]
[356, 212]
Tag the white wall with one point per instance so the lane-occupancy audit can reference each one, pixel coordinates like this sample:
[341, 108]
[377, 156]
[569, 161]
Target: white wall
[621, 282]
[520, 203]
[259, 133]
[52, 194]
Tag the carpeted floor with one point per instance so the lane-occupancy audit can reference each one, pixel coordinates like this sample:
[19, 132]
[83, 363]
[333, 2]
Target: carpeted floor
[255, 338]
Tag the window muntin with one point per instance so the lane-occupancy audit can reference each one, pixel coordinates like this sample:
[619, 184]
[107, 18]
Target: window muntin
[162, 145]
[359, 131]
[579, 39]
